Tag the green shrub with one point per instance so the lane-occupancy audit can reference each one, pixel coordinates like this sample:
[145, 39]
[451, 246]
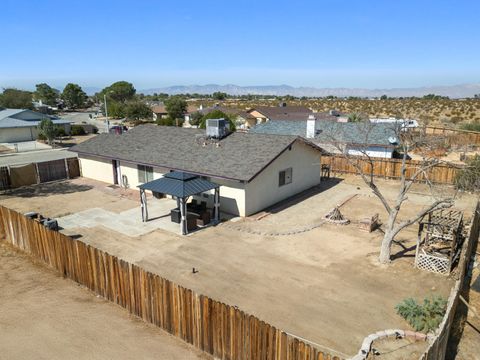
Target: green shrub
[77, 130]
[168, 121]
[42, 137]
[424, 317]
[471, 126]
[60, 132]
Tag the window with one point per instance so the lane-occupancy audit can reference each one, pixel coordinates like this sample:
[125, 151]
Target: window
[145, 173]
[285, 177]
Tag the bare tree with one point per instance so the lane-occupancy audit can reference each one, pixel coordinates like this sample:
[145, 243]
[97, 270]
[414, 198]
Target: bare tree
[356, 148]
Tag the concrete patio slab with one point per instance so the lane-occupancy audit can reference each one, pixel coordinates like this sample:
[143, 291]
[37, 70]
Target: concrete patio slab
[128, 222]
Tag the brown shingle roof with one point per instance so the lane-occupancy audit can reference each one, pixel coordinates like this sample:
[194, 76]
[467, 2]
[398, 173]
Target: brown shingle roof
[283, 112]
[239, 156]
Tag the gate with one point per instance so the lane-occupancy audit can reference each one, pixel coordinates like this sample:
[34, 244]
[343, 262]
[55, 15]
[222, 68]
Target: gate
[52, 170]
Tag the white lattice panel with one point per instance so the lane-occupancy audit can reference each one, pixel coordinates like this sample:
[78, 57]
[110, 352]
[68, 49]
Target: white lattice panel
[433, 264]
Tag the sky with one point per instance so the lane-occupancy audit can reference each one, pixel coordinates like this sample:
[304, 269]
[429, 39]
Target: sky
[323, 43]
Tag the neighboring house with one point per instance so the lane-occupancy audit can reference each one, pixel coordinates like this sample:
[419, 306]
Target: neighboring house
[261, 114]
[240, 117]
[255, 171]
[159, 112]
[190, 110]
[17, 125]
[359, 138]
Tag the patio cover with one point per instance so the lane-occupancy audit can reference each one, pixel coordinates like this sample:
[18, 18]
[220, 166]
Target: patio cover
[181, 185]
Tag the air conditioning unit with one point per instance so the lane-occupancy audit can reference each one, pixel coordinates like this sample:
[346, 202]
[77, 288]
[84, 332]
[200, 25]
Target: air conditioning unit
[217, 128]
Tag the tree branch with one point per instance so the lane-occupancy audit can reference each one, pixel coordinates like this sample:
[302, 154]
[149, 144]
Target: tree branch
[437, 205]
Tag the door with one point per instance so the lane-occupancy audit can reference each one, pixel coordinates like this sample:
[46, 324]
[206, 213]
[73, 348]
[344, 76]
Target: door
[116, 171]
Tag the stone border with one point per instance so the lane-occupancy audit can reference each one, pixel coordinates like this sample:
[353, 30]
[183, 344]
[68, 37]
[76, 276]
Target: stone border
[284, 233]
[390, 333]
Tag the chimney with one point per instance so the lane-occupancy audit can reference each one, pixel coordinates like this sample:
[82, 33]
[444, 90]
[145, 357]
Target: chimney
[311, 126]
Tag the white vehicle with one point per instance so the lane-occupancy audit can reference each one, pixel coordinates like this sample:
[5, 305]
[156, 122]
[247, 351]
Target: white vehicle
[405, 123]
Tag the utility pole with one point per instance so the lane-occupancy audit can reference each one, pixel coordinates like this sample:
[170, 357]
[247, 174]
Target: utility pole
[106, 112]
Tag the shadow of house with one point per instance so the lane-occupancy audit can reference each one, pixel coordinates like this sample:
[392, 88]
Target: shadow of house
[298, 198]
[47, 189]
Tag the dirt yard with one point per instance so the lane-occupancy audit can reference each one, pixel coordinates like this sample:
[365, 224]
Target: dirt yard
[322, 284]
[45, 316]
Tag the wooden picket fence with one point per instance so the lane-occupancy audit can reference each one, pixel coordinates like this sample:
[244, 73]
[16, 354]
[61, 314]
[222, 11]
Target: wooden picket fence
[442, 173]
[221, 330]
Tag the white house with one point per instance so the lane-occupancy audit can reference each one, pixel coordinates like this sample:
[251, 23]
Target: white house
[255, 171]
[17, 125]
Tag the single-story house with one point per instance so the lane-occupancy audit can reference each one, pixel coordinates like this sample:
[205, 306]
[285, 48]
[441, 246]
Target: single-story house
[261, 114]
[353, 138]
[159, 112]
[254, 171]
[17, 125]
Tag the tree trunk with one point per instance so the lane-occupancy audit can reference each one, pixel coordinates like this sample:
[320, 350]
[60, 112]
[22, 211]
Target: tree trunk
[384, 257]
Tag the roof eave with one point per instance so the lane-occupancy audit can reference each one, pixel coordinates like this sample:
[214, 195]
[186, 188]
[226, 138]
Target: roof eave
[158, 165]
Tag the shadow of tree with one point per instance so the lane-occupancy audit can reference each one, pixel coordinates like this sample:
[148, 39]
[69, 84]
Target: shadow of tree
[405, 252]
[52, 188]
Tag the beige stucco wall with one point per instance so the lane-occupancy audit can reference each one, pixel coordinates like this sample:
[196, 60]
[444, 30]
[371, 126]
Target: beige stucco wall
[13, 135]
[263, 191]
[96, 168]
[232, 196]
[236, 198]
[131, 172]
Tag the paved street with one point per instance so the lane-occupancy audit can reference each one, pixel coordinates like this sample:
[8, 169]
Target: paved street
[83, 117]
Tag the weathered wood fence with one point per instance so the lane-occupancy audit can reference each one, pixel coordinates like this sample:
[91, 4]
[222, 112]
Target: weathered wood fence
[443, 173]
[457, 136]
[438, 347]
[15, 176]
[214, 327]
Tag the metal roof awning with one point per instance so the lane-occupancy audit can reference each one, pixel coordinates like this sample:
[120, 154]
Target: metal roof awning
[179, 184]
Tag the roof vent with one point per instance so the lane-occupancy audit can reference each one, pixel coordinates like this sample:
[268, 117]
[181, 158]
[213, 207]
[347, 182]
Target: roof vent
[217, 128]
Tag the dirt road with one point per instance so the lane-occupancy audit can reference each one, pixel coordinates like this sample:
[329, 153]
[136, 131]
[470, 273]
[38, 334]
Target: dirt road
[44, 316]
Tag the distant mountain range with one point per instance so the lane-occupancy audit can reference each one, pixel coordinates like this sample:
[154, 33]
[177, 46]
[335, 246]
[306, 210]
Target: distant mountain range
[453, 91]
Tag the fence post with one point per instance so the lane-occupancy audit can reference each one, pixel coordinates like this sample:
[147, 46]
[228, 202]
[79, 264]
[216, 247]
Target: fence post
[37, 173]
[66, 168]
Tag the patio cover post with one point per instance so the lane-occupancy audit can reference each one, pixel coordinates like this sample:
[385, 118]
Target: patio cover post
[183, 216]
[217, 204]
[143, 205]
